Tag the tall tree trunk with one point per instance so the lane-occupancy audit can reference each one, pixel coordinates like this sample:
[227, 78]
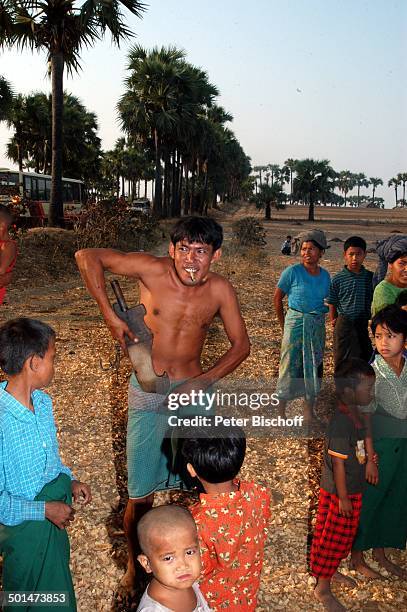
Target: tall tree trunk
[122, 193]
[166, 210]
[56, 208]
[158, 207]
[180, 181]
[174, 190]
[45, 157]
[204, 205]
[291, 187]
[192, 197]
[311, 210]
[145, 188]
[186, 197]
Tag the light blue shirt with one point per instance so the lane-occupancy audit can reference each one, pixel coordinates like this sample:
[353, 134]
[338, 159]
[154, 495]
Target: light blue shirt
[29, 456]
[305, 291]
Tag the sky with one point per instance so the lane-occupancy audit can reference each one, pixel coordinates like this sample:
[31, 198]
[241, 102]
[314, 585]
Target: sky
[303, 78]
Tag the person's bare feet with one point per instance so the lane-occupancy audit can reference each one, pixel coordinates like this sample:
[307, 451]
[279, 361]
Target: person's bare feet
[324, 595]
[363, 568]
[342, 579]
[392, 568]
[359, 564]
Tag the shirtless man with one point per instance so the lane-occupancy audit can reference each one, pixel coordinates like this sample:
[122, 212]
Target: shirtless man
[181, 297]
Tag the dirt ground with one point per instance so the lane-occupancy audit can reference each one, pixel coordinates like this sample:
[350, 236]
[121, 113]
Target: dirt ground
[90, 410]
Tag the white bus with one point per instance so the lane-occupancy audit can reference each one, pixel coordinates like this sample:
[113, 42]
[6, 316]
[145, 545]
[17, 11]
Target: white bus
[34, 191]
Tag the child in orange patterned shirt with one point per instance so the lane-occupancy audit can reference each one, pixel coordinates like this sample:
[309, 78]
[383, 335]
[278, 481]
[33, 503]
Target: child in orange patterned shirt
[231, 518]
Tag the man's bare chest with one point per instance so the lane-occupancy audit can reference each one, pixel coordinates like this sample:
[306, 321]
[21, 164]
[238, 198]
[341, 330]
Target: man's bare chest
[181, 312]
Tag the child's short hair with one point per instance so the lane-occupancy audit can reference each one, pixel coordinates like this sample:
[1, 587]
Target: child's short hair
[288, 237]
[198, 229]
[5, 215]
[20, 339]
[393, 317]
[163, 519]
[401, 299]
[217, 453]
[349, 373]
[355, 241]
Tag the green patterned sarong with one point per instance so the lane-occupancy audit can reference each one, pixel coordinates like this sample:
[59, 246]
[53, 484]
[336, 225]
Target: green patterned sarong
[302, 353]
[151, 445]
[36, 553]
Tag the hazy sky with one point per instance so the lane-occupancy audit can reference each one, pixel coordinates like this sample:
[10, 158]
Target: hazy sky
[302, 78]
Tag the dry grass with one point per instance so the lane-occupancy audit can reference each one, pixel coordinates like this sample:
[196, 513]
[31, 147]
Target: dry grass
[90, 408]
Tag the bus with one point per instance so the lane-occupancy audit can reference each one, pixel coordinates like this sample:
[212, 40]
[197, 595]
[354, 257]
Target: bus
[33, 191]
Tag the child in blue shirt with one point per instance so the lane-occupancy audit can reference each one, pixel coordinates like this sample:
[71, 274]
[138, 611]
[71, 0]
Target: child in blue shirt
[36, 488]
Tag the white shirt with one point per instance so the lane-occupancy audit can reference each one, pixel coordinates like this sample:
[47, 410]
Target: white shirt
[147, 604]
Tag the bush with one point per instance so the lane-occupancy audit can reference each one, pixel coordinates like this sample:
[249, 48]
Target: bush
[109, 223]
[249, 232]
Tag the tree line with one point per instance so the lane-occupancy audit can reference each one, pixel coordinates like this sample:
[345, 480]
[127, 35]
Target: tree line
[312, 182]
[175, 132]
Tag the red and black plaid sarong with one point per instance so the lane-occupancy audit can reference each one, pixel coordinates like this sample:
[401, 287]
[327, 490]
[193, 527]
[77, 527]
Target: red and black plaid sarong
[333, 535]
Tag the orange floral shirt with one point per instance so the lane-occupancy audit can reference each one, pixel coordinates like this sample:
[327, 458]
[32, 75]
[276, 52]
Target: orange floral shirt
[232, 528]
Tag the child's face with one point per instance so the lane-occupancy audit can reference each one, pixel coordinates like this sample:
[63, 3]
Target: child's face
[364, 392]
[354, 258]
[45, 366]
[388, 343]
[174, 558]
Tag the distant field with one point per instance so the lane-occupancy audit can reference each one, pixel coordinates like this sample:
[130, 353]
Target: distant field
[343, 215]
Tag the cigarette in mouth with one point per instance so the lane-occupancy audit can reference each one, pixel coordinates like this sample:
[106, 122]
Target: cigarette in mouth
[192, 275]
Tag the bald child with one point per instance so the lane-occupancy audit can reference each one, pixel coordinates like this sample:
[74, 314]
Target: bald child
[169, 541]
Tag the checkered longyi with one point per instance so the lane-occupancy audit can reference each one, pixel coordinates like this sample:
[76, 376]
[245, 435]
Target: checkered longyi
[334, 534]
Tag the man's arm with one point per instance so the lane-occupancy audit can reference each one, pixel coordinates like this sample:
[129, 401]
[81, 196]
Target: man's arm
[235, 329]
[93, 263]
[278, 305]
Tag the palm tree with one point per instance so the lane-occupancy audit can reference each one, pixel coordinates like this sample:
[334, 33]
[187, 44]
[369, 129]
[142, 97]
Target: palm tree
[402, 177]
[61, 28]
[395, 182]
[6, 99]
[260, 169]
[274, 171]
[345, 182]
[314, 183]
[375, 182]
[31, 119]
[290, 164]
[269, 195]
[361, 181]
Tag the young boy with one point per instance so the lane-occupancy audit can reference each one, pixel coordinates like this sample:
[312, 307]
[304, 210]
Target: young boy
[231, 517]
[8, 250]
[286, 246]
[36, 488]
[350, 298]
[170, 551]
[343, 477]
